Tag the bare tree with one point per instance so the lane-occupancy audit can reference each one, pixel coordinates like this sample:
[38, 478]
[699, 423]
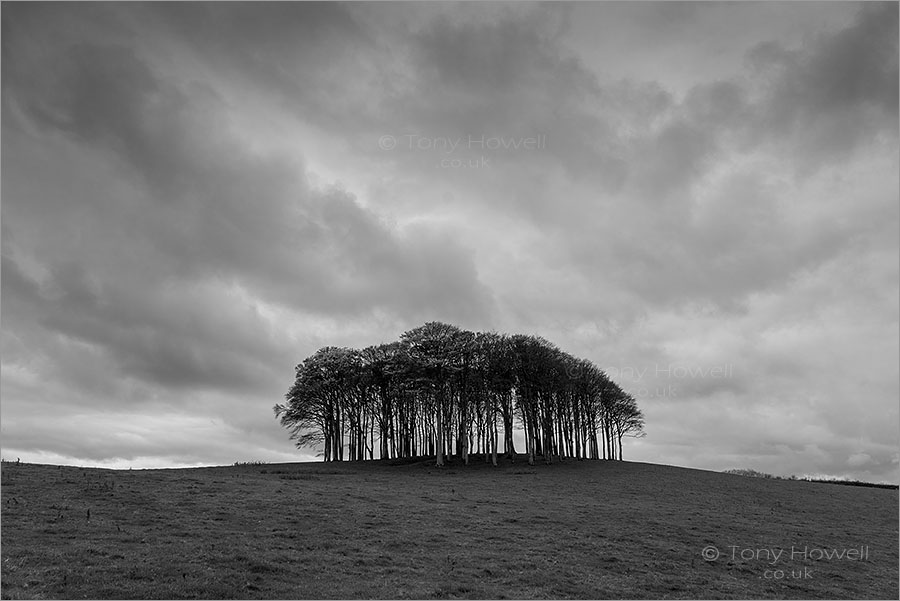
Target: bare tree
[441, 391]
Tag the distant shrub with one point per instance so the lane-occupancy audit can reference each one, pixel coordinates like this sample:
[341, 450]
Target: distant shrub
[756, 474]
[852, 483]
[242, 463]
[750, 473]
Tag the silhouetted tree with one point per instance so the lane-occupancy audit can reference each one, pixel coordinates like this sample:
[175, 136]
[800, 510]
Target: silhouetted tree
[442, 391]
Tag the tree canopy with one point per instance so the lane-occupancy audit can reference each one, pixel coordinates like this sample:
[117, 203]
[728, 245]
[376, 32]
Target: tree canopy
[442, 391]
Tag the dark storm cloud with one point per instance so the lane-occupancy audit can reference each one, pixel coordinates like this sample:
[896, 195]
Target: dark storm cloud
[146, 269]
[306, 52]
[836, 91]
[180, 339]
[718, 104]
[816, 103]
[105, 95]
[232, 213]
[509, 78]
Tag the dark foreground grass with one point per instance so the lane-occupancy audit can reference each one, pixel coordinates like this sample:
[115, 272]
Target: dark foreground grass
[570, 530]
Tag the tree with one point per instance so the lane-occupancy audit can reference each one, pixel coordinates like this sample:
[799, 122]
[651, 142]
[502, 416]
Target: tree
[627, 420]
[441, 390]
[434, 352]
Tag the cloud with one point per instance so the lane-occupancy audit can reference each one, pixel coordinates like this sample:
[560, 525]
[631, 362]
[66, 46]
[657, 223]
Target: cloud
[859, 459]
[217, 209]
[195, 198]
[835, 92]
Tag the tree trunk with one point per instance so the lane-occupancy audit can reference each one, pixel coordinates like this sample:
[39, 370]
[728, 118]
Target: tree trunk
[494, 435]
[529, 441]
[439, 434]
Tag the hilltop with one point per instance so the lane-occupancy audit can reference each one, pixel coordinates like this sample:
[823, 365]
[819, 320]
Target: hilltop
[589, 529]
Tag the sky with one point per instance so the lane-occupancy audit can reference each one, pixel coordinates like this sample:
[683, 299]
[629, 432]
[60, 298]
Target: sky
[701, 198]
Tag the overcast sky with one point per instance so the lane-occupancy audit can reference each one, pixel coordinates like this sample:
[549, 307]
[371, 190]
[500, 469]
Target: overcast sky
[701, 198]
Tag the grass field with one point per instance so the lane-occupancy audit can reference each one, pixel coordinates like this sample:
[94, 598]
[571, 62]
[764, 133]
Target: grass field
[570, 530]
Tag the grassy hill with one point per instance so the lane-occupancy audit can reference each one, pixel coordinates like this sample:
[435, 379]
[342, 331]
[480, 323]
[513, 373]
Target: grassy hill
[570, 530]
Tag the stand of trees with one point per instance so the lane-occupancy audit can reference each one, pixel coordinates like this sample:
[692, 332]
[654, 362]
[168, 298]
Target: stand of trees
[442, 391]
